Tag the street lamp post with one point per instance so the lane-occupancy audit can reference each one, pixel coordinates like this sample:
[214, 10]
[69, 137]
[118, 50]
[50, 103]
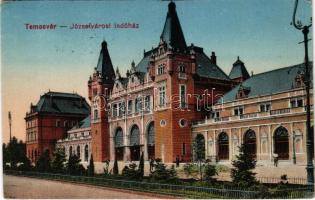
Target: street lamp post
[294, 152]
[305, 30]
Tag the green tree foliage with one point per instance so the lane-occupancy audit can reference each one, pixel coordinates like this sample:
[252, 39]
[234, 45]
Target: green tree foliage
[58, 162]
[43, 163]
[131, 172]
[141, 166]
[14, 153]
[242, 174]
[115, 168]
[26, 165]
[210, 171]
[74, 167]
[162, 174]
[91, 168]
[199, 148]
[199, 151]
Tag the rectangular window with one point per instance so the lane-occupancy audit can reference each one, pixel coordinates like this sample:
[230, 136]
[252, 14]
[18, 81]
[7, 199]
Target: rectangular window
[183, 149]
[114, 110]
[57, 123]
[296, 102]
[238, 111]
[129, 107]
[182, 92]
[119, 109]
[147, 106]
[138, 104]
[160, 69]
[162, 96]
[95, 114]
[216, 114]
[265, 107]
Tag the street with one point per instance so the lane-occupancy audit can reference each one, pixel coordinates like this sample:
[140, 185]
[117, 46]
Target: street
[25, 188]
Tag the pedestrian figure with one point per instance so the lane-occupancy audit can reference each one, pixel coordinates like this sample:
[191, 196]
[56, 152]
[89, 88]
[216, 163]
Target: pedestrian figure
[275, 160]
[177, 161]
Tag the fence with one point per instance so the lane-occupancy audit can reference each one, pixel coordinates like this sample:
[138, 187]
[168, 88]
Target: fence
[300, 181]
[171, 189]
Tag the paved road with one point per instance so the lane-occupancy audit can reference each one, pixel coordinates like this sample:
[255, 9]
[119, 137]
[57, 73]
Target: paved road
[21, 187]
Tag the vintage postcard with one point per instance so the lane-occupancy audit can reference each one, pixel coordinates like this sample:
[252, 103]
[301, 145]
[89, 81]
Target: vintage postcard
[157, 99]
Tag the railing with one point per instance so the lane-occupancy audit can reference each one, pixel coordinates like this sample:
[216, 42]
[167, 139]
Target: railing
[221, 119]
[280, 111]
[171, 189]
[249, 115]
[300, 181]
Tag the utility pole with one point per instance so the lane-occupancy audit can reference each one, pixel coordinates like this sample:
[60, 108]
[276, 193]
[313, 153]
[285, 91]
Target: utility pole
[10, 123]
[305, 30]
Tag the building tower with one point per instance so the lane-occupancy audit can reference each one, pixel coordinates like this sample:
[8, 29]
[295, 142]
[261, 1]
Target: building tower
[172, 67]
[100, 85]
[239, 72]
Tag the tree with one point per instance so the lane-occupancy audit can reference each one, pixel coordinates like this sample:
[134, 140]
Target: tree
[43, 162]
[141, 166]
[58, 162]
[115, 168]
[74, 166]
[14, 152]
[162, 174]
[131, 172]
[91, 168]
[242, 173]
[199, 151]
[26, 165]
[210, 171]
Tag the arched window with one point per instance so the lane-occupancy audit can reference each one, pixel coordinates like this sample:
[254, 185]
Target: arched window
[223, 146]
[70, 151]
[78, 151]
[250, 142]
[151, 141]
[134, 136]
[119, 137]
[134, 143]
[281, 143]
[86, 153]
[119, 144]
[199, 147]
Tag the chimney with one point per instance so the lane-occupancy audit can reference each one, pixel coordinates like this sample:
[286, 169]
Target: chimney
[213, 58]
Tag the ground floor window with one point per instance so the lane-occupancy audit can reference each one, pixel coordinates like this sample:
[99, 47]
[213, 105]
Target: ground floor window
[281, 143]
[223, 146]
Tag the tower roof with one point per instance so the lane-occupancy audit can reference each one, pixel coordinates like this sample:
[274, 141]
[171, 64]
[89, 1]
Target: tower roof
[62, 103]
[105, 66]
[172, 32]
[238, 70]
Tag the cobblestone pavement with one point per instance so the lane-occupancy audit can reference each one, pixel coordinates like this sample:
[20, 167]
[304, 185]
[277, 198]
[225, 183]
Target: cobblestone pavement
[31, 188]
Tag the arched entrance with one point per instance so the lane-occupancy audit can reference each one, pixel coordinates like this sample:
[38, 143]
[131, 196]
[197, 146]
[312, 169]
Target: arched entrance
[281, 143]
[119, 144]
[151, 141]
[223, 146]
[199, 148]
[135, 143]
[250, 143]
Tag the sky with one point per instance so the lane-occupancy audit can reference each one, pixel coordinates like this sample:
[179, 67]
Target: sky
[36, 61]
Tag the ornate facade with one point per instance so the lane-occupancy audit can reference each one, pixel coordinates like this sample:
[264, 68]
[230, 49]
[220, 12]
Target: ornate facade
[266, 113]
[149, 110]
[78, 141]
[50, 119]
